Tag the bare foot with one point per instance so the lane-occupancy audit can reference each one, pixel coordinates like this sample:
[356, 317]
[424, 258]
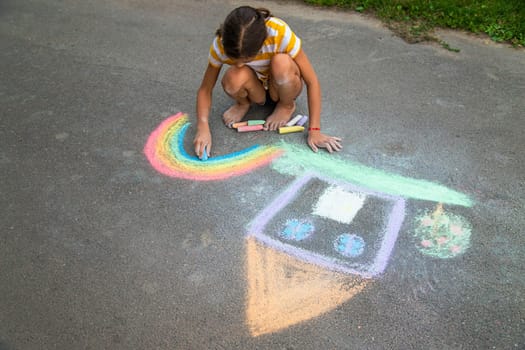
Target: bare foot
[280, 116]
[235, 113]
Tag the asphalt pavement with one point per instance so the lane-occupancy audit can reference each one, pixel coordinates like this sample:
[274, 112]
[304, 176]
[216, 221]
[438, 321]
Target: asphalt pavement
[113, 236]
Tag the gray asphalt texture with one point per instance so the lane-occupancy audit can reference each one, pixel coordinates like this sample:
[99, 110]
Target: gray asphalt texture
[100, 251]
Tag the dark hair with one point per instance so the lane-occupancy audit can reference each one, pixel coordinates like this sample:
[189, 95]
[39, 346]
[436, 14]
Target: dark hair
[244, 31]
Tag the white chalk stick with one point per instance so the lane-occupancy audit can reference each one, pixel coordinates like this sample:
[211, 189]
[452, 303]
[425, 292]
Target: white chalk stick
[294, 120]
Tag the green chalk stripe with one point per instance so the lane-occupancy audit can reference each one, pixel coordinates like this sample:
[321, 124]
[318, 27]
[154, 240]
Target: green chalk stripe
[298, 160]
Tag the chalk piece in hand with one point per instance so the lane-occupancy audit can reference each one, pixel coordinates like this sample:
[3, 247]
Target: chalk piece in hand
[236, 125]
[204, 154]
[302, 121]
[289, 129]
[250, 128]
[256, 122]
[294, 120]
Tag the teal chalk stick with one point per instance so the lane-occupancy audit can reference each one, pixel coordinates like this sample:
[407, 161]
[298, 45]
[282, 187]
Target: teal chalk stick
[256, 122]
[204, 155]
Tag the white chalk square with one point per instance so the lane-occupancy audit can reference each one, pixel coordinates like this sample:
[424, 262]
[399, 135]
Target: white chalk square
[339, 205]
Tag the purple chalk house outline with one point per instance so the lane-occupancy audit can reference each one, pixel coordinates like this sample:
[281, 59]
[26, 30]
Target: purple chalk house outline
[395, 219]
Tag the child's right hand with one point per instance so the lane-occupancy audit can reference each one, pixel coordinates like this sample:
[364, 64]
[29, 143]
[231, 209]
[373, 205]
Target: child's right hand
[318, 140]
[202, 140]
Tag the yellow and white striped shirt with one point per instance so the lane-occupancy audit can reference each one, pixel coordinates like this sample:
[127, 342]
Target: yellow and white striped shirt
[280, 39]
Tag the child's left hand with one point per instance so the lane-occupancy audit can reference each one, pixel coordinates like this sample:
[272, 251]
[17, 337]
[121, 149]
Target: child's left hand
[318, 140]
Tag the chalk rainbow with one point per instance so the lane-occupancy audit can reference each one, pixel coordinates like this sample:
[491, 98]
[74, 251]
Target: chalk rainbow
[165, 152]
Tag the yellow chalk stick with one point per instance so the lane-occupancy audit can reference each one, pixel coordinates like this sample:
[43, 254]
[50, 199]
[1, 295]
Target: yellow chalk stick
[289, 129]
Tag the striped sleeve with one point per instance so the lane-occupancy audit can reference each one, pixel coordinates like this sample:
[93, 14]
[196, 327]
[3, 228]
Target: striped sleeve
[216, 56]
[285, 40]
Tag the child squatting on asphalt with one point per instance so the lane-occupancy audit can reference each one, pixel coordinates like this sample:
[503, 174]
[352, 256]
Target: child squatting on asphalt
[266, 61]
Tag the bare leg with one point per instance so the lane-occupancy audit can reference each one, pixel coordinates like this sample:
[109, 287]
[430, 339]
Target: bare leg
[242, 85]
[285, 86]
